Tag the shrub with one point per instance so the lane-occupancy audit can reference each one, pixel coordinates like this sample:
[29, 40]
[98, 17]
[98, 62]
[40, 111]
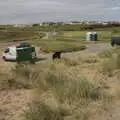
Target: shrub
[90, 59]
[46, 107]
[111, 64]
[41, 111]
[5, 81]
[71, 62]
[112, 61]
[108, 66]
[9, 81]
[69, 86]
[118, 61]
[21, 75]
[22, 70]
[66, 88]
[105, 54]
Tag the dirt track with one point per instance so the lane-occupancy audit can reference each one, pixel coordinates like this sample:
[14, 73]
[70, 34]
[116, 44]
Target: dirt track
[93, 48]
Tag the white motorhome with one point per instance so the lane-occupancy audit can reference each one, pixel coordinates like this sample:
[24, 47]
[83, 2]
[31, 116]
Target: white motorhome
[9, 53]
[21, 52]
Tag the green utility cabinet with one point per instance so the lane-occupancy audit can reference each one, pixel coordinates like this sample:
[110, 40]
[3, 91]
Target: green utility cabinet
[92, 36]
[25, 53]
[95, 37]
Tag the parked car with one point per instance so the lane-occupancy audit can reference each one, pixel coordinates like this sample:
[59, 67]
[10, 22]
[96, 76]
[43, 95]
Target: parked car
[115, 40]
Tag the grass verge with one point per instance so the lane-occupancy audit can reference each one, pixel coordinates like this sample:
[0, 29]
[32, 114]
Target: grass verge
[54, 46]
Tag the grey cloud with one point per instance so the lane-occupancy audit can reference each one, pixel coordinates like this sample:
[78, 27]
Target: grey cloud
[31, 11]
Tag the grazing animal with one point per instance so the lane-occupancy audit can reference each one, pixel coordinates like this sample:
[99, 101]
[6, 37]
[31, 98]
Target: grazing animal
[115, 41]
[56, 55]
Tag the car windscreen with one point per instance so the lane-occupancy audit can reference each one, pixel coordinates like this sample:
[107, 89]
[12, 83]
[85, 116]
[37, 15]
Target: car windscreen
[6, 50]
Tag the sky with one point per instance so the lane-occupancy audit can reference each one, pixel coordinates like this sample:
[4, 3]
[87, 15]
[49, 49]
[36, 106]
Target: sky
[36, 11]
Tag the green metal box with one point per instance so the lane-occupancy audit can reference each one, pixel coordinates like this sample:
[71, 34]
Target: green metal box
[25, 53]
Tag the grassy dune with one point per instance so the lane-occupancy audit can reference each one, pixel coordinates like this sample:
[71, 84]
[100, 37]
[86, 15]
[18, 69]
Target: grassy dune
[69, 89]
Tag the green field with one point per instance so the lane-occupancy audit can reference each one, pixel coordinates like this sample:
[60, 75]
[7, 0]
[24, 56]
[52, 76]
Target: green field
[11, 33]
[103, 36]
[62, 41]
[53, 46]
[69, 40]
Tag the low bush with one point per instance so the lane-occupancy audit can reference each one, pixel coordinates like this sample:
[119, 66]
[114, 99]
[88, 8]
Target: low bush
[71, 62]
[41, 111]
[105, 54]
[12, 82]
[118, 61]
[90, 59]
[111, 64]
[67, 86]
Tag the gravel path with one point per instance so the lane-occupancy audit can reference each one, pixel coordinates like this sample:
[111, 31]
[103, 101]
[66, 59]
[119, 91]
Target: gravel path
[93, 48]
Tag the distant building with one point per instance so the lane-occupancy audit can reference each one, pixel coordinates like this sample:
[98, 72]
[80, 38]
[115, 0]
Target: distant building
[22, 25]
[19, 25]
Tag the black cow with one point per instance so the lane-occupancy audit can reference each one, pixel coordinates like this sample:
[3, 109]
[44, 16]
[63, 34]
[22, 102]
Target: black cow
[56, 55]
[115, 40]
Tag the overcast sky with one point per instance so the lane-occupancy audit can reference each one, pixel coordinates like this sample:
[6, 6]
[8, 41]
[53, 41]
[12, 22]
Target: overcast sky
[35, 11]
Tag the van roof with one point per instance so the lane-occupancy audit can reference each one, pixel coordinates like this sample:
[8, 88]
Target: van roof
[12, 47]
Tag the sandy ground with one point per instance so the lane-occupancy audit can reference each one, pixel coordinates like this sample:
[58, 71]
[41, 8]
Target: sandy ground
[12, 104]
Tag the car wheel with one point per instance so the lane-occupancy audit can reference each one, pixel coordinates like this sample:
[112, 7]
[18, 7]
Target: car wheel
[4, 58]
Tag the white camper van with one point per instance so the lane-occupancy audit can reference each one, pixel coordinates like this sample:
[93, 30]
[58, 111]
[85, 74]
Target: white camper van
[10, 53]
